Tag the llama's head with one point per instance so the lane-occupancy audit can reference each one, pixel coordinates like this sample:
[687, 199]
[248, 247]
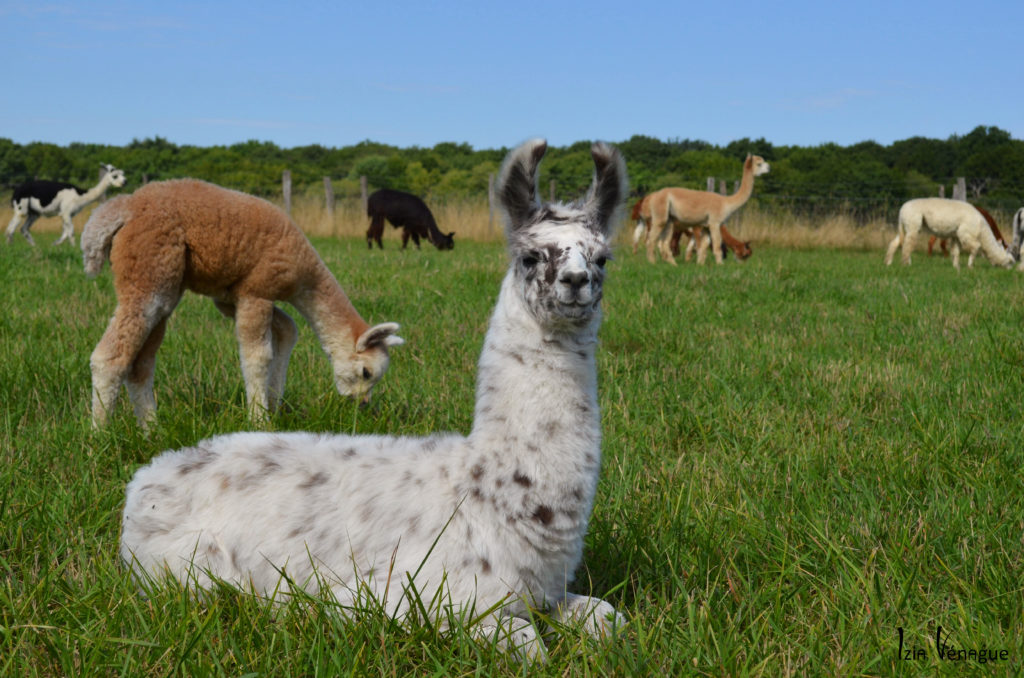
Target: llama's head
[743, 252]
[113, 175]
[758, 164]
[360, 374]
[559, 251]
[444, 242]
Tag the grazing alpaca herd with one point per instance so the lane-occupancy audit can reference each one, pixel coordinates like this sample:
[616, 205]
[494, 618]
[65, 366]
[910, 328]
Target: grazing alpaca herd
[492, 521]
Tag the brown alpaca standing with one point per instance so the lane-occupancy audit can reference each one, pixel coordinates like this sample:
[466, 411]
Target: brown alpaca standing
[688, 207]
[245, 254]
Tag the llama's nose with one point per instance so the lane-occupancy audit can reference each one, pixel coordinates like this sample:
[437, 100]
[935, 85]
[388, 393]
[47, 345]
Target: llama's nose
[574, 279]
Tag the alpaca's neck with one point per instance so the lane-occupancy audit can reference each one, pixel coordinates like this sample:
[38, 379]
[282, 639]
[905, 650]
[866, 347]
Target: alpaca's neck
[537, 397]
[93, 193]
[739, 198]
[327, 309]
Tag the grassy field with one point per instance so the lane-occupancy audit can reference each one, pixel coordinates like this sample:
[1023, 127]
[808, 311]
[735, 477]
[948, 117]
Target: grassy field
[804, 453]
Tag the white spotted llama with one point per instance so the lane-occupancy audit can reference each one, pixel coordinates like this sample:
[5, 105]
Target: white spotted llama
[496, 519]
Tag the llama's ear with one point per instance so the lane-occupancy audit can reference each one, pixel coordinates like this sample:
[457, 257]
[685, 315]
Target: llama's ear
[379, 335]
[609, 188]
[517, 182]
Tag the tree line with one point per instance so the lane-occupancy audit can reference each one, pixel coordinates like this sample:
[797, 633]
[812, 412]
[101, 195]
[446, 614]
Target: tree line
[865, 178]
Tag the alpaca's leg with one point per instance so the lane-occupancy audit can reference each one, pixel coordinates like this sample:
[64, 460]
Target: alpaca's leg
[284, 334]
[67, 229]
[716, 241]
[703, 243]
[638, 233]
[375, 231]
[653, 235]
[253, 319]
[127, 334]
[696, 233]
[893, 246]
[19, 214]
[139, 381]
[954, 252]
[514, 635]
[26, 225]
[909, 241]
[599, 618]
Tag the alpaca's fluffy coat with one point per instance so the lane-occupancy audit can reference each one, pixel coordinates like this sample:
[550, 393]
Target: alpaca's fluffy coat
[954, 219]
[243, 252]
[494, 517]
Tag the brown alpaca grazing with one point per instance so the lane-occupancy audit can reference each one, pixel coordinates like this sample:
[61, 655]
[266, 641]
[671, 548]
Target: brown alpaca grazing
[694, 234]
[405, 211]
[245, 254]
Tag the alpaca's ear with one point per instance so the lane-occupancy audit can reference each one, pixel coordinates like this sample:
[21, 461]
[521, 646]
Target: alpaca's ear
[608, 190]
[379, 335]
[517, 182]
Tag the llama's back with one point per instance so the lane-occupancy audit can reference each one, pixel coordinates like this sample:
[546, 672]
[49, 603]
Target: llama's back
[245, 505]
[98, 234]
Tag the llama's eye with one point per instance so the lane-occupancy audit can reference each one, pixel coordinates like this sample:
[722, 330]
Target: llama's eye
[601, 261]
[529, 261]
[366, 373]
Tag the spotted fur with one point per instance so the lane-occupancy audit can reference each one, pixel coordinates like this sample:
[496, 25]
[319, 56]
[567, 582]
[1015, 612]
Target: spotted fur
[496, 518]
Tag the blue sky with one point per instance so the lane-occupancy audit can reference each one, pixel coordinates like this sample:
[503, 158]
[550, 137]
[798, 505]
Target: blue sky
[492, 74]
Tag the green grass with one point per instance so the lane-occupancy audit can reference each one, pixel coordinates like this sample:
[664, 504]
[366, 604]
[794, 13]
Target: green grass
[802, 453]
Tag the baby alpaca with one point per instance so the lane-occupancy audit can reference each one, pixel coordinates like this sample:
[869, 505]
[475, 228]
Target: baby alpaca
[959, 221]
[495, 519]
[245, 254]
[35, 199]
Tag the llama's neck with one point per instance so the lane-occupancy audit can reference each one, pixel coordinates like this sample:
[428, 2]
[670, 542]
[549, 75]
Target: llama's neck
[334, 319]
[536, 400]
[94, 193]
[739, 198]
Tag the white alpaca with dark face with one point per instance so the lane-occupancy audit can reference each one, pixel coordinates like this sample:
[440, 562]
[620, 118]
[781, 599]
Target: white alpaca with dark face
[495, 519]
[35, 199]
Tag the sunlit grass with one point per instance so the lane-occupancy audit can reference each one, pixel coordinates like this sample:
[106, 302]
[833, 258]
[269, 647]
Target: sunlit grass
[803, 452]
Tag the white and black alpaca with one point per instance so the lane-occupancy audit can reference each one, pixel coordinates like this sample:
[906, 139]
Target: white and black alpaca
[495, 519]
[40, 198]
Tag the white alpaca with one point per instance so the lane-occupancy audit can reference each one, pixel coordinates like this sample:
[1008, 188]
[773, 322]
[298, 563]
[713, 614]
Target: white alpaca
[1018, 236]
[35, 199]
[495, 520]
[959, 221]
[244, 253]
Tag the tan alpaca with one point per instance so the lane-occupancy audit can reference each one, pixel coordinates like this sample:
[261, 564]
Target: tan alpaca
[245, 254]
[688, 207]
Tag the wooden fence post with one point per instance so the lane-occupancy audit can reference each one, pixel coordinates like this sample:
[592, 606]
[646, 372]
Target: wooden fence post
[960, 190]
[362, 191]
[721, 186]
[329, 196]
[286, 189]
[711, 184]
[552, 190]
[942, 190]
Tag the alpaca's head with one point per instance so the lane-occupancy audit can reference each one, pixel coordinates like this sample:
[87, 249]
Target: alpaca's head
[444, 242]
[758, 164]
[369, 362]
[113, 175]
[559, 251]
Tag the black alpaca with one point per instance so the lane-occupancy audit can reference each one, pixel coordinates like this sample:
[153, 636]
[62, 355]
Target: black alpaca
[408, 212]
